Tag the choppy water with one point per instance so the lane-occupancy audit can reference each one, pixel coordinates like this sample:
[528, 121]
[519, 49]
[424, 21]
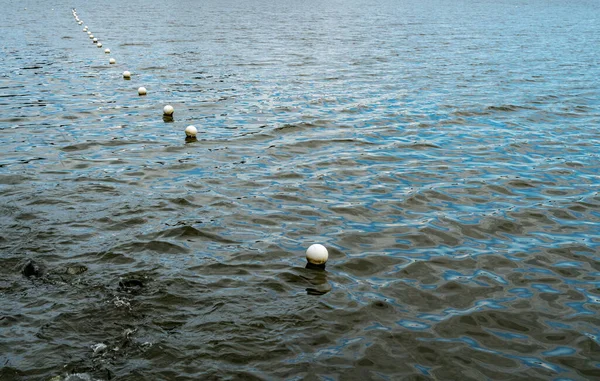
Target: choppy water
[446, 152]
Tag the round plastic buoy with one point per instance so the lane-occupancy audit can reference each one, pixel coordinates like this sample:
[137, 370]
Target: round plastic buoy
[99, 44]
[89, 32]
[126, 74]
[142, 91]
[91, 36]
[112, 61]
[317, 254]
[85, 29]
[94, 40]
[191, 131]
[107, 51]
[168, 110]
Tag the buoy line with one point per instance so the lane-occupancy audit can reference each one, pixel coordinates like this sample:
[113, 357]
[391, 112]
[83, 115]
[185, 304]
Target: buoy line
[168, 110]
[316, 254]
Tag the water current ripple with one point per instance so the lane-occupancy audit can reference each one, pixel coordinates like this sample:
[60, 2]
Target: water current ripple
[446, 153]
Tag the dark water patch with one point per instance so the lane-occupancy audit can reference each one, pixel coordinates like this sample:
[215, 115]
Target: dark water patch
[145, 44]
[149, 68]
[189, 232]
[151, 246]
[109, 143]
[417, 146]
[118, 226]
[13, 179]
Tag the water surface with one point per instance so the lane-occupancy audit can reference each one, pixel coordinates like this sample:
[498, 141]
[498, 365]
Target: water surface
[447, 154]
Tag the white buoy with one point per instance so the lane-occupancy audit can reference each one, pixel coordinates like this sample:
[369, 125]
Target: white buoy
[85, 29]
[89, 32]
[191, 131]
[112, 61]
[94, 40]
[126, 74]
[99, 44]
[91, 36]
[142, 91]
[168, 110]
[80, 23]
[317, 254]
[107, 51]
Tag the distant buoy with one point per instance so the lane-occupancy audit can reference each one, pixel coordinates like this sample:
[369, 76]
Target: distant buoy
[80, 22]
[94, 40]
[142, 91]
[85, 29]
[107, 51]
[112, 61]
[126, 74]
[168, 110]
[99, 44]
[91, 36]
[191, 131]
[317, 254]
[89, 32]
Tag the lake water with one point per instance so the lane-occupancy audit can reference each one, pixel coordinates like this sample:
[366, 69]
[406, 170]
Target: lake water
[446, 153]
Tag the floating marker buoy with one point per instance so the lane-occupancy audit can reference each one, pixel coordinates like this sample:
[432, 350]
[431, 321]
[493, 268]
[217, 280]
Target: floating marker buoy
[107, 51]
[99, 44]
[317, 254]
[168, 110]
[142, 91]
[94, 40]
[80, 23]
[126, 74]
[85, 29]
[112, 61]
[91, 36]
[191, 131]
[89, 32]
